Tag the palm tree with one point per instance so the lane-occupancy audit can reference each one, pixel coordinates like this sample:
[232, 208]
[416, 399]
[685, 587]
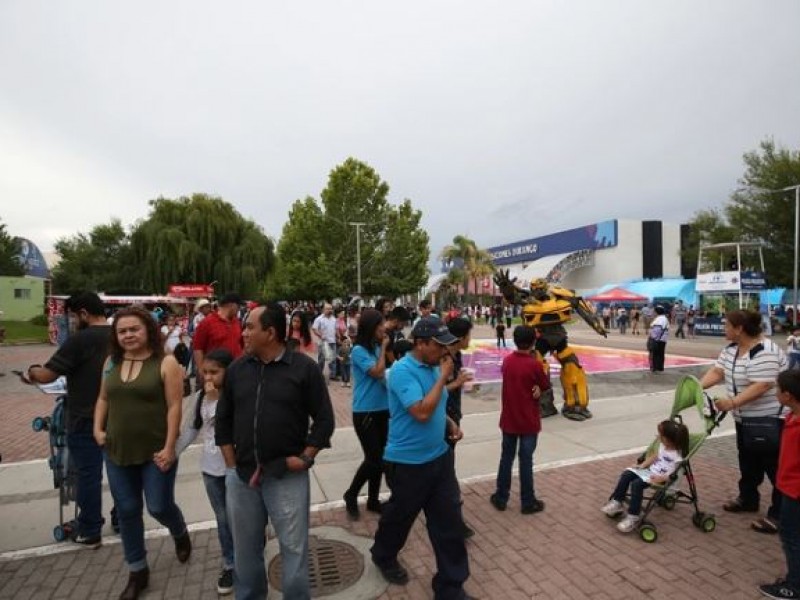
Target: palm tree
[473, 262]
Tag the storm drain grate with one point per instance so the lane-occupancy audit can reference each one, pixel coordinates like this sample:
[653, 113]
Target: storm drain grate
[333, 567]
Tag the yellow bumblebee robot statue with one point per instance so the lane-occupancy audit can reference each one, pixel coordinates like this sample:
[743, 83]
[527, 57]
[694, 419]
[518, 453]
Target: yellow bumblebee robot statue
[546, 307]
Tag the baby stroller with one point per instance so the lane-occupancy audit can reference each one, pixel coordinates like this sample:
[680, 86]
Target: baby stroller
[64, 476]
[688, 393]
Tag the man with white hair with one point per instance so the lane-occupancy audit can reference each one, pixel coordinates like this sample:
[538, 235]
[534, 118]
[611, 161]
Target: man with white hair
[324, 327]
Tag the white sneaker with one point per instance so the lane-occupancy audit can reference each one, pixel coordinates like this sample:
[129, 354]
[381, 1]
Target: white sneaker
[614, 508]
[629, 523]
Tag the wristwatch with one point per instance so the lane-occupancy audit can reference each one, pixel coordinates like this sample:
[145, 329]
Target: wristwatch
[309, 462]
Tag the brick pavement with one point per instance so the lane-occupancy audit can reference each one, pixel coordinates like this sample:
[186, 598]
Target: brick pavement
[569, 551]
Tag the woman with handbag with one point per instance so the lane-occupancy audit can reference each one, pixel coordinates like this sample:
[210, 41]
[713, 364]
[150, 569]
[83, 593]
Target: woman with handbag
[749, 366]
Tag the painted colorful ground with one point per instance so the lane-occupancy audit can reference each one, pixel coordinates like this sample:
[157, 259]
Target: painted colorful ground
[485, 357]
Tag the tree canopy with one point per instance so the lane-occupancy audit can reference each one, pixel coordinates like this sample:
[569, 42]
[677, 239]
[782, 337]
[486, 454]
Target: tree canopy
[755, 214]
[197, 239]
[317, 253]
[9, 251]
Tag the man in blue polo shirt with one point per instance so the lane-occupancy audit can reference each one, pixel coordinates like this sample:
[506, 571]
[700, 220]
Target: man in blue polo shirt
[419, 464]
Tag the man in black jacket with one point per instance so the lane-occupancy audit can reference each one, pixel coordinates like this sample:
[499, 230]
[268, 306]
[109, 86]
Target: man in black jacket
[262, 428]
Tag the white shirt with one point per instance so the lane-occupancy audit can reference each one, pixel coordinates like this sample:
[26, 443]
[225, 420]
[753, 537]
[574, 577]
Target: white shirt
[662, 322]
[741, 371]
[173, 337]
[211, 459]
[326, 327]
[666, 461]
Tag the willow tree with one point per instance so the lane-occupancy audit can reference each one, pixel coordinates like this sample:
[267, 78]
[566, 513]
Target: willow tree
[201, 239]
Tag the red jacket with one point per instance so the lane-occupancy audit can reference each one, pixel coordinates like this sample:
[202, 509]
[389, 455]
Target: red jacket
[520, 414]
[789, 461]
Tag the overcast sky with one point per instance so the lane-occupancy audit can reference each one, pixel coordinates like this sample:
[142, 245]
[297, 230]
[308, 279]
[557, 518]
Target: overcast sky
[499, 120]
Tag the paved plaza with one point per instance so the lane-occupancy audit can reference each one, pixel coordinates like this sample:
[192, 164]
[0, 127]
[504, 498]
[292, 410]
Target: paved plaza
[571, 550]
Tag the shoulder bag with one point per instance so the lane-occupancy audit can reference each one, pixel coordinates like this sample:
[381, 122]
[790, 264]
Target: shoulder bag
[759, 434]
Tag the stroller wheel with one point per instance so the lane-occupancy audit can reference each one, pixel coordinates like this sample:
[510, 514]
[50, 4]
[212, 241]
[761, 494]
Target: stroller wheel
[709, 524]
[59, 534]
[648, 532]
[668, 502]
[38, 424]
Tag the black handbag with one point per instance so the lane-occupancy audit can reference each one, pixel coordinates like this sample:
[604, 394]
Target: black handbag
[762, 434]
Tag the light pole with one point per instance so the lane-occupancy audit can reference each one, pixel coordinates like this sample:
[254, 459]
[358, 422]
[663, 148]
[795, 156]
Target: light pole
[358, 227]
[796, 189]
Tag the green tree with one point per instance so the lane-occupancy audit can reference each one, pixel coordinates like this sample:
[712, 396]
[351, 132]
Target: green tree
[303, 270]
[756, 216]
[320, 237]
[9, 251]
[201, 239]
[707, 227]
[473, 262]
[99, 261]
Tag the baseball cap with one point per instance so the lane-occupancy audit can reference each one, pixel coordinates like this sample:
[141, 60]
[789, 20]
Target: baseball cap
[231, 298]
[433, 327]
[201, 303]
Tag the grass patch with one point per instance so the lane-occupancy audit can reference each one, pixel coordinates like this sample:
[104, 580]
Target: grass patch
[24, 331]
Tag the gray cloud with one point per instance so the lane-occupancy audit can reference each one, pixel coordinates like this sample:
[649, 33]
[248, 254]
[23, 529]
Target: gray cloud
[500, 121]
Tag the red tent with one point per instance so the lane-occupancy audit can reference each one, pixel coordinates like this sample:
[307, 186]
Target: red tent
[618, 294]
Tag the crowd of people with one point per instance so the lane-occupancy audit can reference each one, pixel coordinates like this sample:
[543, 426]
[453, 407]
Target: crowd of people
[262, 412]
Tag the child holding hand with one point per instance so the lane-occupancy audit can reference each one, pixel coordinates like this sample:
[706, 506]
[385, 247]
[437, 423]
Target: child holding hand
[212, 463]
[656, 469]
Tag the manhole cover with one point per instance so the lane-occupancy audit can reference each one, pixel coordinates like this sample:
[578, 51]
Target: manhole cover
[332, 567]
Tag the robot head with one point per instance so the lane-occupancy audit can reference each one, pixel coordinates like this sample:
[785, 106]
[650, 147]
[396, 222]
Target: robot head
[539, 285]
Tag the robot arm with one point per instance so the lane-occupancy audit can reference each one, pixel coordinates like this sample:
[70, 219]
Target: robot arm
[589, 315]
[512, 293]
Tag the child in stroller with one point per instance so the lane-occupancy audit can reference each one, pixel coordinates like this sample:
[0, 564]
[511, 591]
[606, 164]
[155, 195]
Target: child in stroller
[656, 469]
[666, 484]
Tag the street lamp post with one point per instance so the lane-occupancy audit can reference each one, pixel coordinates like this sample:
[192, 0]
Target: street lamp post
[358, 227]
[796, 189]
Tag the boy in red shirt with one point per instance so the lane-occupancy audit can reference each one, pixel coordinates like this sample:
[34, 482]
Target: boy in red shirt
[524, 381]
[788, 484]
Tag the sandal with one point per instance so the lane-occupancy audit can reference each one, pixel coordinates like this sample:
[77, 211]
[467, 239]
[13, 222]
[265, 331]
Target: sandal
[764, 525]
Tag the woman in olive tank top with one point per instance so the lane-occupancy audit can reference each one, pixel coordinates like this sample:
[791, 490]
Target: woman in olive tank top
[137, 422]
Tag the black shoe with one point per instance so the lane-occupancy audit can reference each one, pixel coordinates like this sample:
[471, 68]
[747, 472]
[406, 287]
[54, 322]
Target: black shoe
[497, 503]
[137, 583]
[94, 541]
[467, 531]
[375, 506]
[394, 574]
[225, 582]
[779, 589]
[536, 506]
[183, 547]
[737, 506]
[351, 506]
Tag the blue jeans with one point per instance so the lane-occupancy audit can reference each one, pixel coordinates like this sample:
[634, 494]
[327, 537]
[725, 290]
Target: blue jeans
[286, 502]
[790, 539]
[215, 488]
[637, 485]
[128, 485]
[794, 360]
[344, 371]
[527, 444]
[87, 458]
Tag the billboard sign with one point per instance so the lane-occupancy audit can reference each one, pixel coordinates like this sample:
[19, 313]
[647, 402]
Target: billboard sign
[730, 281]
[191, 290]
[31, 259]
[591, 237]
